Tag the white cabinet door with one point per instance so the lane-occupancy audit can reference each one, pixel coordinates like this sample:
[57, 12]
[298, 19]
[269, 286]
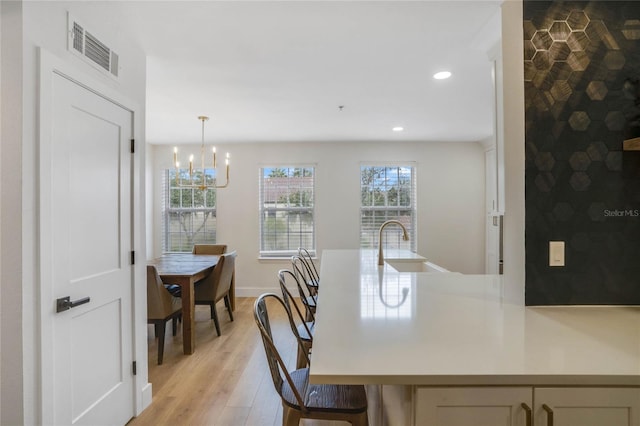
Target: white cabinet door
[472, 406]
[587, 406]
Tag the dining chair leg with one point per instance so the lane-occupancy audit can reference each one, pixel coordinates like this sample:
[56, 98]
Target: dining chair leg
[161, 329]
[174, 326]
[227, 303]
[214, 315]
[290, 417]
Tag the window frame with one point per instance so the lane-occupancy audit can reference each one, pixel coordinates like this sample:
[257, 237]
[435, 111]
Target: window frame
[387, 210]
[274, 211]
[168, 210]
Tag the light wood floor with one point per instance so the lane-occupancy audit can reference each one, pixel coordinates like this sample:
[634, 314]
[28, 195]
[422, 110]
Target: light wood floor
[226, 381]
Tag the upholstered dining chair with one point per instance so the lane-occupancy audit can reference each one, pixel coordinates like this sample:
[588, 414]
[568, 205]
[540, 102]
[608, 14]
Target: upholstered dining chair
[216, 286]
[161, 307]
[303, 327]
[300, 399]
[209, 248]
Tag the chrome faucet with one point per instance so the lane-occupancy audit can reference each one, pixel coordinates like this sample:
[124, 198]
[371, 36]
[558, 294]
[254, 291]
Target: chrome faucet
[405, 236]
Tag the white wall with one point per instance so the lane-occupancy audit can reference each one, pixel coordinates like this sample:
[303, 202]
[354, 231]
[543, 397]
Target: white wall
[450, 179]
[513, 127]
[44, 24]
[11, 350]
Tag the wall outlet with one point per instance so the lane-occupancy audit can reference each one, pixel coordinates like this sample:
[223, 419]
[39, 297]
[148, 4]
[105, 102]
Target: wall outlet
[556, 253]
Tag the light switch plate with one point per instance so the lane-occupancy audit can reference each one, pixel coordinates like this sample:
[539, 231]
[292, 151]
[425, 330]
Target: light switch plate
[556, 253]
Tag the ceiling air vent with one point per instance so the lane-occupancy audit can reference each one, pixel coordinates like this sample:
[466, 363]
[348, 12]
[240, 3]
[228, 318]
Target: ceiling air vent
[86, 45]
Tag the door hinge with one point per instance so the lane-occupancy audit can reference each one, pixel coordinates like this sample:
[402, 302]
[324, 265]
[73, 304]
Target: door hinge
[133, 146]
[135, 368]
[133, 257]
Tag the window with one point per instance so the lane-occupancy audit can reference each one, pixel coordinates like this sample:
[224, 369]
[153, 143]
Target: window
[286, 210]
[189, 214]
[387, 192]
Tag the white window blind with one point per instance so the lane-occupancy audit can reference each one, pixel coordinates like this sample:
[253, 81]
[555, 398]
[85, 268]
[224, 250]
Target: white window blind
[286, 210]
[387, 192]
[189, 215]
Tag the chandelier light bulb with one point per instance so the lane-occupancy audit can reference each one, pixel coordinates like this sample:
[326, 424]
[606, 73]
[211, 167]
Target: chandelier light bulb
[200, 181]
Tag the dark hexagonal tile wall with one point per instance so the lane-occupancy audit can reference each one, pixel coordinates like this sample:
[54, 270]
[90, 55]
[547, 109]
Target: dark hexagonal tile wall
[598, 33]
[614, 60]
[577, 20]
[542, 60]
[560, 70]
[561, 90]
[580, 181]
[578, 61]
[579, 161]
[559, 31]
[614, 161]
[545, 181]
[529, 70]
[597, 111]
[542, 40]
[596, 212]
[597, 90]
[577, 41]
[579, 121]
[615, 121]
[559, 51]
[563, 211]
[529, 50]
[577, 56]
[631, 29]
[597, 151]
[580, 241]
[545, 161]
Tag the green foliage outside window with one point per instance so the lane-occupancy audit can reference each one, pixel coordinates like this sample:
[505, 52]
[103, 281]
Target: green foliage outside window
[287, 203]
[189, 213]
[386, 193]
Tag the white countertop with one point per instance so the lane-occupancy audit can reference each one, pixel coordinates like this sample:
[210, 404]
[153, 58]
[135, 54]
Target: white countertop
[455, 329]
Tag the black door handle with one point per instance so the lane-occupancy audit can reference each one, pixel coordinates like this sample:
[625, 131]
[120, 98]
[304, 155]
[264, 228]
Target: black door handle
[65, 303]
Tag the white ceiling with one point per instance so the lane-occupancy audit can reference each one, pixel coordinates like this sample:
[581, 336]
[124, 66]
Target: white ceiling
[270, 71]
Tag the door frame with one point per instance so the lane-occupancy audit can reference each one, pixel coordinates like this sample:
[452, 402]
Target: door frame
[49, 66]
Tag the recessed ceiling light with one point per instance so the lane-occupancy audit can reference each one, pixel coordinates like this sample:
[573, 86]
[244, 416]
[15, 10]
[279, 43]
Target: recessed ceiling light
[398, 129]
[442, 75]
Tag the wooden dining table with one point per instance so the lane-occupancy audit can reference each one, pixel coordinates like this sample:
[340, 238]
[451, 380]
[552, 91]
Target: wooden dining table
[185, 269]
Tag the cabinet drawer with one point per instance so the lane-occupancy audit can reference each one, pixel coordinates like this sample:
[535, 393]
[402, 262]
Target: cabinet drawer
[481, 406]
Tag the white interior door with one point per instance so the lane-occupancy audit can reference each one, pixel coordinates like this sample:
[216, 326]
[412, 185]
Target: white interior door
[88, 207]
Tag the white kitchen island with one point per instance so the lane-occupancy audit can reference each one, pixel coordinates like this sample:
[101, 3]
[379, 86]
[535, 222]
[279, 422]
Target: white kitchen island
[450, 350]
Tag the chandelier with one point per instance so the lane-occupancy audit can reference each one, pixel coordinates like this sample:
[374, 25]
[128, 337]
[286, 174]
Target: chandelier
[203, 178]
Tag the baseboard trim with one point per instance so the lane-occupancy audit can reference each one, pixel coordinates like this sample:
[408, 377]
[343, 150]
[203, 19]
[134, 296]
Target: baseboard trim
[146, 397]
[256, 291]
